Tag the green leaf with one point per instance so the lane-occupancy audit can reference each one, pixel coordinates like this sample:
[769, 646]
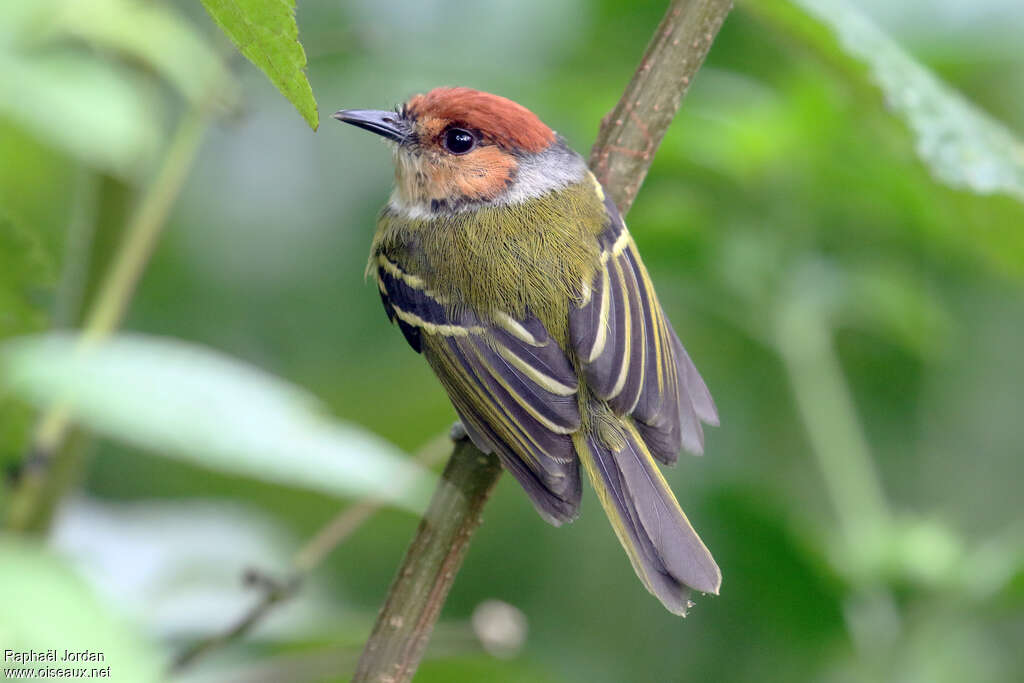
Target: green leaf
[27, 282]
[201, 406]
[962, 145]
[48, 607]
[154, 34]
[59, 81]
[266, 33]
[92, 109]
[893, 301]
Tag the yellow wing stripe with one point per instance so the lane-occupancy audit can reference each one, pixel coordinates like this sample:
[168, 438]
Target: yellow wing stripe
[513, 327]
[544, 381]
[597, 186]
[585, 293]
[627, 336]
[602, 324]
[621, 241]
[522, 436]
[659, 332]
[526, 405]
[642, 369]
[494, 415]
[432, 328]
[414, 281]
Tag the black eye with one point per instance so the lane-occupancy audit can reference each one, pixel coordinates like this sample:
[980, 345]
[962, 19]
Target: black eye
[458, 140]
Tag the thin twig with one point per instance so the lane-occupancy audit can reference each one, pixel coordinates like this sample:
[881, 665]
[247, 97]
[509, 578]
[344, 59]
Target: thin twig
[274, 593]
[316, 549]
[624, 150]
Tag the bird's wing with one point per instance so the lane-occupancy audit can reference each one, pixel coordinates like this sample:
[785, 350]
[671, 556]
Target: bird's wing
[631, 356]
[510, 382]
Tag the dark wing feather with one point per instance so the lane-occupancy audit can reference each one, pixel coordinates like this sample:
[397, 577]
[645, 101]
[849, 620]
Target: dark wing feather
[631, 356]
[511, 384]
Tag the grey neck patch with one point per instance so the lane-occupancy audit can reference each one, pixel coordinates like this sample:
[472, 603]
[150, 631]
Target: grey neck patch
[553, 169]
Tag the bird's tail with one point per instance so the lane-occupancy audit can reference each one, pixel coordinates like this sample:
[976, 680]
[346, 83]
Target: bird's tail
[666, 552]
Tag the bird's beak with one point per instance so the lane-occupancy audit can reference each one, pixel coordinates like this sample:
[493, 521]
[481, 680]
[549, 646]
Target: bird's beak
[386, 123]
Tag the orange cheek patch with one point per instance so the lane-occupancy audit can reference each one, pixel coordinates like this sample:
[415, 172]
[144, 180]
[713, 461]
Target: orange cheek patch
[485, 172]
[482, 174]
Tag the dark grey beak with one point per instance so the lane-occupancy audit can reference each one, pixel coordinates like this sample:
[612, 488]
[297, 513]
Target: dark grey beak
[386, 123]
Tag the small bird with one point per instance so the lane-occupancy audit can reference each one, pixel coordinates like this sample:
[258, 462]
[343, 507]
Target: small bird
[507, 266]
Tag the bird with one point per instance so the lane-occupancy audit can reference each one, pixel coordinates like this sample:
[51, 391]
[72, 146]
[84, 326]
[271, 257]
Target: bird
[507, 265]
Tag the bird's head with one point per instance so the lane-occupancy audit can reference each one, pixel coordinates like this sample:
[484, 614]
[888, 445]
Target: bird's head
[458, 148]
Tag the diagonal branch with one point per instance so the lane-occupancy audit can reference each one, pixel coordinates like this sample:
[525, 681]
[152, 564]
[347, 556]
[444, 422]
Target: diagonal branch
[631, 132]
[419, 590]
[625, 147]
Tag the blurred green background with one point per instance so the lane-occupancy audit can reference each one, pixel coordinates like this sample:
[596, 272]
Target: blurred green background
[838, 268]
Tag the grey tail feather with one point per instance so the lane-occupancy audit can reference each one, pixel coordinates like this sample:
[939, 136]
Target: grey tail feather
[666, 552]
[696, 389]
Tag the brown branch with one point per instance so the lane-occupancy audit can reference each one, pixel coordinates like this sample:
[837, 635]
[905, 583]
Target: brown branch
[419, 589]
[631, 133]
[624, 150]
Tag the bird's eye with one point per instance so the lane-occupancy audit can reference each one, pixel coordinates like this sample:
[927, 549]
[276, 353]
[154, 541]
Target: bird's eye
[458, 140]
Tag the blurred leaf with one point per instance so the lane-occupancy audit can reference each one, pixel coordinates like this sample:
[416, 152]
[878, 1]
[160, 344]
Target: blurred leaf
[909, 551]
[899, 305]
[174, 566]
[266, 33]
[20, 20]
[201, 406]
[47, 607]
[37, 186]
[963, 146]
[886, 298]
[27, 282]
[90, 108]
[996, 563]
[153, 34]
[91, 104]
[25, 288]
